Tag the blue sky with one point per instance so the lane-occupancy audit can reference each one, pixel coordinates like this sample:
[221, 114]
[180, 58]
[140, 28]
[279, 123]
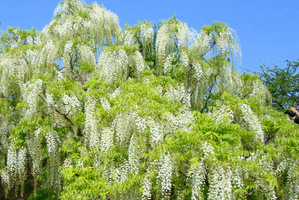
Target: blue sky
[268, 30]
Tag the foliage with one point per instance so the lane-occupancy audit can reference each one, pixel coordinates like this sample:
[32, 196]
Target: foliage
[283, 83]
[43, 194]
[90, 111]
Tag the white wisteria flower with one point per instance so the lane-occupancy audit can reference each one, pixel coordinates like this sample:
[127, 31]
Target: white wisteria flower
[252, 122]
[165, 174]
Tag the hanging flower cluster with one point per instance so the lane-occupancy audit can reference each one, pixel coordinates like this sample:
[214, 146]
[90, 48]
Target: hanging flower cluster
[90, 126]
[119, 64]
[223, 114]
[71, 103]
[31, 93]
[252, 122]
[165, 175]
[197, 174]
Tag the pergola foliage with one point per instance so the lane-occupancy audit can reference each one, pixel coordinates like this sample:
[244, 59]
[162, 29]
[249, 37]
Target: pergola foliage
[91, 111]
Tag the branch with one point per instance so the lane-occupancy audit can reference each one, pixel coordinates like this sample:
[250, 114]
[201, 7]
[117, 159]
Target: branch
[209, 49]
[62, 114]
[210, 91]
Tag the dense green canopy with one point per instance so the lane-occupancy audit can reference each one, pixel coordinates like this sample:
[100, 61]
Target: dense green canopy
[93, 111]
[283, 83]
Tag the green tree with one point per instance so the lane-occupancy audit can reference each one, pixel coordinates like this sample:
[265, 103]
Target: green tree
[91, 111]
[283, 83]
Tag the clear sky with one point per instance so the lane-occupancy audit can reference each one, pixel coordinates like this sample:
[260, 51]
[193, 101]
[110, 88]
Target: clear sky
[268, 30]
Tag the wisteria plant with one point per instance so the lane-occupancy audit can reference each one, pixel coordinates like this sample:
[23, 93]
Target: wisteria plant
[93, 111]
